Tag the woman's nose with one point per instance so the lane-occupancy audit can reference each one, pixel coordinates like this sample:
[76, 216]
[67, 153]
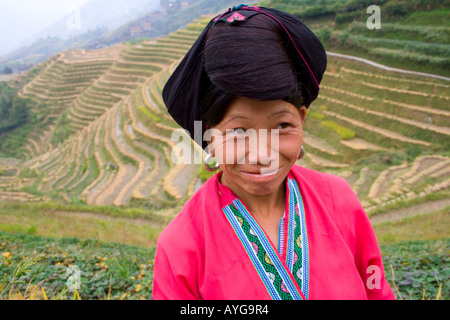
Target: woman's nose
[263, 148]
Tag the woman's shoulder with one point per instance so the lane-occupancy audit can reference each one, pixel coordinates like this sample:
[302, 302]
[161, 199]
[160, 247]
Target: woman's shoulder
[333, 191]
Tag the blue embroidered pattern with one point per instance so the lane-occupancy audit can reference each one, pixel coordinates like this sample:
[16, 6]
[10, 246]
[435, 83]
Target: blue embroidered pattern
[296, 224]
[304, 235]
[251, 253]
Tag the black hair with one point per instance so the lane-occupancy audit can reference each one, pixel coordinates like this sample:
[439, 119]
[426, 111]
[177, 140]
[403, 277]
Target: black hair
[251, 60]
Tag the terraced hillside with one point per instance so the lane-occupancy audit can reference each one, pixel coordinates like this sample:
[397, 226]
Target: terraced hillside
[118, 149]
[62, 81]
[386, 133]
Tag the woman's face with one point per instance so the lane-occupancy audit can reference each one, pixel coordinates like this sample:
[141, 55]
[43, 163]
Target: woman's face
[252, 156]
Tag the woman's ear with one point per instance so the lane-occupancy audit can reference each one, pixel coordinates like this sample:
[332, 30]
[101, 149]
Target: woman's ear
[208, 148]
[302, 112]
[207, 127]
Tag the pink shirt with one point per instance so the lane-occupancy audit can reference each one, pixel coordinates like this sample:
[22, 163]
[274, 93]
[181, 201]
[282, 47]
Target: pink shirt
[200, 256]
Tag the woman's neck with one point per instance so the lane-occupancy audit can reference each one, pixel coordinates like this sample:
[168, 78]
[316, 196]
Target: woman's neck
[267, 206]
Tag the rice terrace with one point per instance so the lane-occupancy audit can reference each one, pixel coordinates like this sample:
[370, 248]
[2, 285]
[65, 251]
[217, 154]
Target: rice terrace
[87, 179]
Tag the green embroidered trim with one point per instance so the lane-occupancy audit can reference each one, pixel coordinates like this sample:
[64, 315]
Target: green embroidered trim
[297, 246]
[262, 255]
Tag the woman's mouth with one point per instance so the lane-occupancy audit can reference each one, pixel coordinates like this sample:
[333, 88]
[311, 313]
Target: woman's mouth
[261, 174]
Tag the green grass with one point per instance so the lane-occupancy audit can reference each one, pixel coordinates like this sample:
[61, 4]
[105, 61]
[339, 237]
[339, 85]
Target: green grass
[344, 132]
[108, 212]
[113, 270]
[82, 226]
[426, 226]
[316, 115]
[426, 18]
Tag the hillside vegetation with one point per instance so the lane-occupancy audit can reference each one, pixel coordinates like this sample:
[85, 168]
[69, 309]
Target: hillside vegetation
[413, 34]
[94, 155]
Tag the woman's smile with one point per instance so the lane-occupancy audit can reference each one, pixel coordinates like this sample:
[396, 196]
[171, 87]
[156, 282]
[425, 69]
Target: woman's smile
[262, 174]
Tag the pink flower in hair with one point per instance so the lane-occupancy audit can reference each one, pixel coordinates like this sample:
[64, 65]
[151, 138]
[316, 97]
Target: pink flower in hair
[236, 17]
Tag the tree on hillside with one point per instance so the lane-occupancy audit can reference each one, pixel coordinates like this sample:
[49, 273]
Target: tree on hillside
[5, 106]
[14, 113]
[20, 110]
[7, 70]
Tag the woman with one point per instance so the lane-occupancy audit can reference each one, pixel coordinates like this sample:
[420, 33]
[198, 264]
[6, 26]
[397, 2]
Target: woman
[262, 228]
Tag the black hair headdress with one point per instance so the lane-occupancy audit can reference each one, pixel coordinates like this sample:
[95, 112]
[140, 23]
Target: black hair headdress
[185, 89]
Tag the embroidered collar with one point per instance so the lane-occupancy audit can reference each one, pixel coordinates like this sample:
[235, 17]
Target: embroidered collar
[286, 275]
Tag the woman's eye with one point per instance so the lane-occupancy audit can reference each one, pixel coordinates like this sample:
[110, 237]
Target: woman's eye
[238, 130]
[283, 125]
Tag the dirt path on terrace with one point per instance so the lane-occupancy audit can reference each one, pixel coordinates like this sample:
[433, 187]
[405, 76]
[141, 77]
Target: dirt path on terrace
[427, 207]
[377, 65]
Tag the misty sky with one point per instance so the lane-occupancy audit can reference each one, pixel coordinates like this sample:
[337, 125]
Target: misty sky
[21, 19]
